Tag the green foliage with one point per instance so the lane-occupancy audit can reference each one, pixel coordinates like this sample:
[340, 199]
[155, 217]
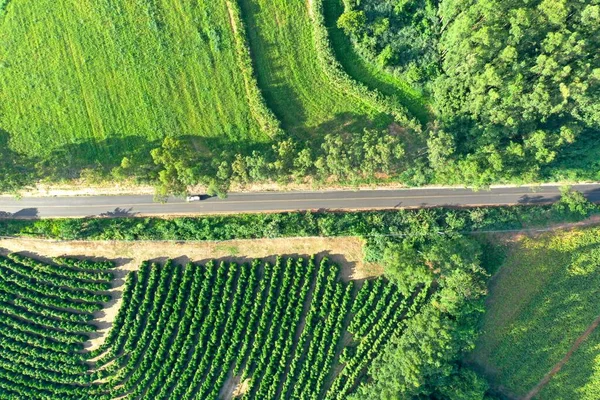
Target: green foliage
[45, 315]
[516, 95]
[178, 167]
[118, 76]
[573, 204]
[294, 82]
[371, 75]
[180, 332]
[425, 360]
[512, 104]
[336, 74]
[352, 22]
[400, 35]
[578, 378]
[413, 224]
[539, 304]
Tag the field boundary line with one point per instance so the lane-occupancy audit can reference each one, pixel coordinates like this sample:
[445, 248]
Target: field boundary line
[261, 112]
[338, 76]
[558, 366]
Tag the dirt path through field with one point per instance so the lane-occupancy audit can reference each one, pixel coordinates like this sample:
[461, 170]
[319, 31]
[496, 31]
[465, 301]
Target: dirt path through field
[557, 367]
[231, 18]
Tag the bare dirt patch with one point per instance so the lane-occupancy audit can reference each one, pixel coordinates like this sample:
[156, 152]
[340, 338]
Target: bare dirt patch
[234, 387]
[345, 251]
[309, 4]
[231, 18]
[241, 388]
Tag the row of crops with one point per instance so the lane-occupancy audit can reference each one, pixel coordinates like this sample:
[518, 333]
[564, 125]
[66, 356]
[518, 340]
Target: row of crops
[46, 316]
[289, 329]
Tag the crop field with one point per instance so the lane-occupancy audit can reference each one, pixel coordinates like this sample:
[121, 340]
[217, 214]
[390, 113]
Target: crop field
[542, 300]
[95, 78]
[579, 378]
[294, 83]
[290, 329]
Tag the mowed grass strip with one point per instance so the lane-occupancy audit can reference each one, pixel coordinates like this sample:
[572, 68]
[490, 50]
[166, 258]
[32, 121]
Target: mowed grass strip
[541, 300]
[294, 84]
[85, 73]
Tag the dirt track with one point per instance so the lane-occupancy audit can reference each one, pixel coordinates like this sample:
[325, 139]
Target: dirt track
[557, 367]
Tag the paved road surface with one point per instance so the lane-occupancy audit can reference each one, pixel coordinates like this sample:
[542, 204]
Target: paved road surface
[282, 201]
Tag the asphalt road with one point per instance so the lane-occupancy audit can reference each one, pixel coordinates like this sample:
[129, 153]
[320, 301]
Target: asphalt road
[43, 207]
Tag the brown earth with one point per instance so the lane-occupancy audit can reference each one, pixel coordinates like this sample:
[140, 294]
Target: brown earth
[345, 251]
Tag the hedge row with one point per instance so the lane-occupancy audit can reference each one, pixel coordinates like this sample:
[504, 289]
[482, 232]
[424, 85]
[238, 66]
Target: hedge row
[292, 224]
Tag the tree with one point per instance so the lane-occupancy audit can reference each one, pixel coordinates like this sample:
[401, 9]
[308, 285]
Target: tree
[518, 78]
[406, 267]
[425, 360]
[573, 203]
[352, 21]
[178, 167]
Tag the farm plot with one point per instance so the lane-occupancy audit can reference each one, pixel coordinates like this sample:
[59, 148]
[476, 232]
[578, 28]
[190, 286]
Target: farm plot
[46, 311]
[543, 298]
[94, 79]
[293, 82]
[290, 329]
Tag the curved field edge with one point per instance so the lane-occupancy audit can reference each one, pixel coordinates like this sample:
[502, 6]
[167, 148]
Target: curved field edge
[337, 75]
[291, 78]
[262, 113]
[150, 73]
[369, 74]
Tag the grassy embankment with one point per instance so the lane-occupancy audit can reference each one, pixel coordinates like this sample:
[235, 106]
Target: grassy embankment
[293, 82]
[370, 75]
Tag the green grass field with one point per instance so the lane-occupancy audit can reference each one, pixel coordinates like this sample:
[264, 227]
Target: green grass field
[98, 77]
[541, 300]
[293, 82]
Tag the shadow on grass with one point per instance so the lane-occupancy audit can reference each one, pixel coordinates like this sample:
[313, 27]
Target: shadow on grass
[68, 162]
[536, 310]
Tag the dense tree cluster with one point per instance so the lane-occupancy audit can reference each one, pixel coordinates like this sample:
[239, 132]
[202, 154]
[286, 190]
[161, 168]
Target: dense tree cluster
[424, 362]
[520, 82]
[400, 35]
[512, 84]
[175, 165]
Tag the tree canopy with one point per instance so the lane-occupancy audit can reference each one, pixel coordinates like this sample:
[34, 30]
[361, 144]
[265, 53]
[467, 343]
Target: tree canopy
[519, 82]
[424, 361]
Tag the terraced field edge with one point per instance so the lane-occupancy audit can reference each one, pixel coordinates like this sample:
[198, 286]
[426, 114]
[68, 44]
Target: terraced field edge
[336, 74]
